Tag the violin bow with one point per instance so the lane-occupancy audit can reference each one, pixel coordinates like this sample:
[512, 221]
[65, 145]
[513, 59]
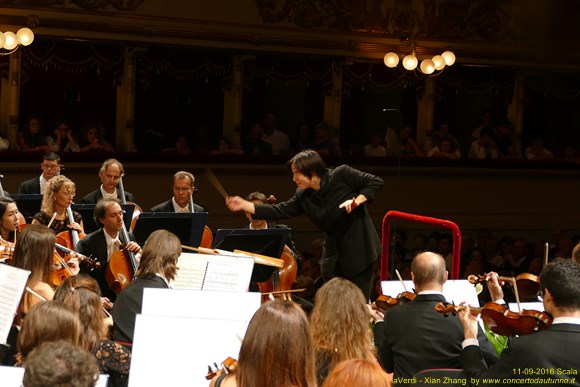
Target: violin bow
[546, 251]
[401, 279]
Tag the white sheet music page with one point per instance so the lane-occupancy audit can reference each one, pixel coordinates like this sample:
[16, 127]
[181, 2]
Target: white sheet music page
[12, 284]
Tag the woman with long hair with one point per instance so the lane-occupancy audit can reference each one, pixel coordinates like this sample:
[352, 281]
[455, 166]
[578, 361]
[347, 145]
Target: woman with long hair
[57, 197]
[81, 294]
[357, 372]
[340, 326]
[276, 350]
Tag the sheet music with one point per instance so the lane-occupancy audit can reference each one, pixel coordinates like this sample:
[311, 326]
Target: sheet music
[213, 272]
[12, 283]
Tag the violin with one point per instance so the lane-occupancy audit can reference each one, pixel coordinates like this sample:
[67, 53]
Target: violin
[526, 285]
[384, 303]
[6, 251]
[228, 366]
[500, 320]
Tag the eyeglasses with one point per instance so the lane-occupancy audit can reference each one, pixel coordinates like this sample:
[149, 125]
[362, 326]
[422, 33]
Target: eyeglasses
[69, 194]
[51, 166]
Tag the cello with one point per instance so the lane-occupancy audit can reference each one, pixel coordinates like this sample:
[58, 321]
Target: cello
[136, 211]
[122, 267]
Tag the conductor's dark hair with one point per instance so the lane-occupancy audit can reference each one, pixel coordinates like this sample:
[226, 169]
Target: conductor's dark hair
[308, 162]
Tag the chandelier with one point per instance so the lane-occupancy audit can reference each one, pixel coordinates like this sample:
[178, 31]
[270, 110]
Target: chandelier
[10, 41]
[428, 66]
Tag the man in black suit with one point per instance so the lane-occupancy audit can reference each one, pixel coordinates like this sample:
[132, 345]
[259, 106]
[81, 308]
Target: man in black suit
[50, 167]
[110, 173]
[414, 337]
[183, 189]
[157, 268]
[548, 357]
[104, 242]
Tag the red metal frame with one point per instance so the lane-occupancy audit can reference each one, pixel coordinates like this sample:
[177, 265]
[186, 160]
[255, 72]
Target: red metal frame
[423, 220]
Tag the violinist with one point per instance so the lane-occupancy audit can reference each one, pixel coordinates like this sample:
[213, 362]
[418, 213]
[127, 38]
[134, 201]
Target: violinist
[335, 201]
[50, 167]
[110, 173]
[102, 243]
[183, 188]
[57, 197]
[413, 336]
[553, 350]
[34, 251]
[157, 269]
[9, 220]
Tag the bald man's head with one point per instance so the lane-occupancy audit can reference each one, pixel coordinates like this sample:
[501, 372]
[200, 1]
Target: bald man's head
[428, 271]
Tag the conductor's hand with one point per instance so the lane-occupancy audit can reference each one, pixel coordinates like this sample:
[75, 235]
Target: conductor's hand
[349, 205]
[469, 323]
[236, 203]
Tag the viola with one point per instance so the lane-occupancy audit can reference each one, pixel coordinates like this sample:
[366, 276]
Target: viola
[384, 303]
[228, 366]
[500, 320]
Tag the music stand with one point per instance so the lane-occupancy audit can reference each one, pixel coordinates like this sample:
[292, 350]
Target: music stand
[87, 211]
[269, 242]
[188, 226]
[28, 204]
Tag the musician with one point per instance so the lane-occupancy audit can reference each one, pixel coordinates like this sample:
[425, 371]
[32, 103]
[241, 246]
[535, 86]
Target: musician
[413, 336]
[50, 167]
[105, 241]
[183, 188]
[334, 200]
[9, 219]
[551, 353]
[57, 196]
[157, 268]
[258, 224]
[110, 173]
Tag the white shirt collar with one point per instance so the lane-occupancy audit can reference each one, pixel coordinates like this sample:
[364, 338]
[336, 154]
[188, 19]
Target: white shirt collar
[566, 320]
[178, 208]
[43, 182]
[107, 195]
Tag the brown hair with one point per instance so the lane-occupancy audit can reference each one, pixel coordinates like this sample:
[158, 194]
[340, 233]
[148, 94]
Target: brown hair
[34, 251]
[357, 372]
[101, 208]
[51, 189]
[111, 162]
[340, 324]
[277, 337]
[47, 321]
[160, 253]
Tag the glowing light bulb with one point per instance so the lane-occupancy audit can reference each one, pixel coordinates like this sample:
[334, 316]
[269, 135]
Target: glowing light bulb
[391, 60]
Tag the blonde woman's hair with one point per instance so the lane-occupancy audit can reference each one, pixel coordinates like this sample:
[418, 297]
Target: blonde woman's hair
[51, 189]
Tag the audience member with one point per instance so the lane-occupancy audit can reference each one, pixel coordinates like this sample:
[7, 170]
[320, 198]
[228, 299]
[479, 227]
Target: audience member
[224, 147]
[31, 138]
[180, 146]
[254, 144]
[413, 336]
[323, 140]
[60, 364]
[437, 136]
[277, 337]
[4, 144]
[485, 147]
[445, 150]
[409, 147]
[61, 139]
[375, 147]
[505, 146]
[536, 150]
[278, 139]
[553, 349]
[50, 167]
[359, 373]
[486, 122]
[92, 141]
[303, 138]
[340, 326]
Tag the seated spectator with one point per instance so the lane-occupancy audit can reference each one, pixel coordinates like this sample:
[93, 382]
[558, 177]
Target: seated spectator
[537, 151]
[445, 150]
[62, 139]
[375, 147]
[253, 144]
[437, 136]
[340, 326]
[60, 363]
[323, 140]
[152, 140]
[358, 372]
[303, 138]
[274, 136]
[486, 122]
[180, 146]
[409, 147]
[92, 141]
[474, 262]
[505, 145]
[31, 138]
[4, 144]
[485, 147]
[224, 147]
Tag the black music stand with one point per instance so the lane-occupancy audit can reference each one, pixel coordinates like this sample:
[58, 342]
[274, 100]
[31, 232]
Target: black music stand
[87, 211]
[269, 242]
[188, 226]
[28, 204]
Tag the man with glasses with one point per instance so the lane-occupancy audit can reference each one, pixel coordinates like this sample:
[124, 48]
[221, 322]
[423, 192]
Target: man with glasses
[50, 167]
[547, 357]
[183, 188]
